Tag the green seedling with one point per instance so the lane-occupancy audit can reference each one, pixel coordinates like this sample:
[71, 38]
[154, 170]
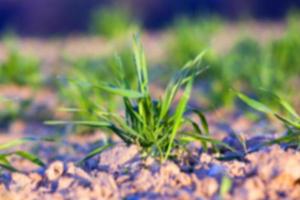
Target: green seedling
[93, 153]
[6, 152]
[156, 125]
[288, 116]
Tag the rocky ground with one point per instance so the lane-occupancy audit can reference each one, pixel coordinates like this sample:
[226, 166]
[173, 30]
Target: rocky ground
[123, 172]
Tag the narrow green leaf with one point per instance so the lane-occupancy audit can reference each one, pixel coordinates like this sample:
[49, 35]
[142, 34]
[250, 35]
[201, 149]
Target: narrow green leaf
[93, 153]
[289, 108]
[255, 104]
[203, 120]
[16, 142]
[181, 107]
[70, 109]
[28, 156]
[121, 92]
[4, 163]
[140, 62]
[85, 123]
[288, 122]
[189, 137]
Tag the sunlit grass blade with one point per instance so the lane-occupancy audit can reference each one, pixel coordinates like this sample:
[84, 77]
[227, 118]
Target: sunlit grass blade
[85, 123]
[178, 116]
[288, 107]
[16, 142]
[121, 92]
[4, 163]
[140, 61]
[203, 120]
[93, 153]
[288, 122]
[290, 139]
[255, 104]
[28, 156]
[191, 137]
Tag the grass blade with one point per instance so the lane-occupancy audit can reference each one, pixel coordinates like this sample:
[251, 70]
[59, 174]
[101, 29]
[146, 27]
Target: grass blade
[255, 104]
[85, 123]
[28, 156]
[122, 92]
[179, 114]
[94, 153]
[16, 142]
[140, 61]
[289, 108]
[4, 163]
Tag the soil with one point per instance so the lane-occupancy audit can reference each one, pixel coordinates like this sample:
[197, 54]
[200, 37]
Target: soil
[123, 172]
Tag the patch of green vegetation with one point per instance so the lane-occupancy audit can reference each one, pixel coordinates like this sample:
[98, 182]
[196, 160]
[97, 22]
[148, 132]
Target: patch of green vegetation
[285, 113]
[12, 109]
[155, 125]
[188, 38]
[236, 70]
[74, 91]
[112, 22]
[248, 66]
[251, 67]
[284, 56]
[20, 70]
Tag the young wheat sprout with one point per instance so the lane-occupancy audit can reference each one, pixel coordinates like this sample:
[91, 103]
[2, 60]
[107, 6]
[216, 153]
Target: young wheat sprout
[156, 125]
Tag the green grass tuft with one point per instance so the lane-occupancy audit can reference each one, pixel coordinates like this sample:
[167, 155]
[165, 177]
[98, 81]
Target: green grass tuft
[157, 125]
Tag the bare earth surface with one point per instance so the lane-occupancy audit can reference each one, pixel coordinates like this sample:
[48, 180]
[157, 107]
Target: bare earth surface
[122, 172]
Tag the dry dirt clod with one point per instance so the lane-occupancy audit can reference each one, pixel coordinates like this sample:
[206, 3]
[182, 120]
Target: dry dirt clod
[20, 180]
[55, 170]
[255, 188]
[117, 156]
[76, 171]
[35, 179]
[65, 183]
[169, 168]
[205, 188]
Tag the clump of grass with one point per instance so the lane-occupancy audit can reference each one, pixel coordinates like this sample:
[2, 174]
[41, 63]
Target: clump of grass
[20, 70]
[155, 125]
[285, 113]
[112, 22]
